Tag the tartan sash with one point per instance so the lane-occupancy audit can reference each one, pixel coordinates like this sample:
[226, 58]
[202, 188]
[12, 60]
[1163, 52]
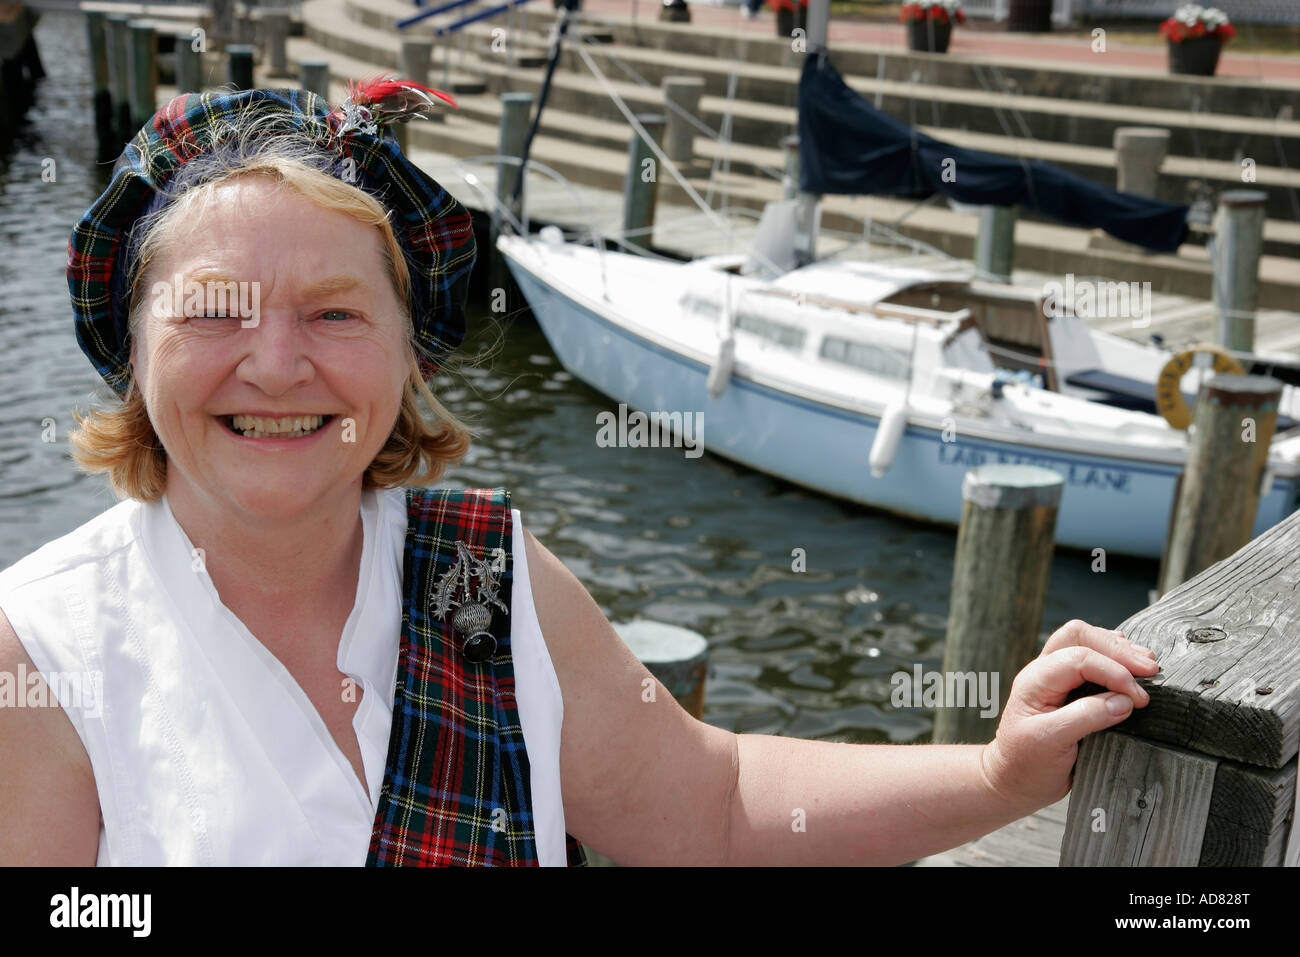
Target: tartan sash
[456, 787]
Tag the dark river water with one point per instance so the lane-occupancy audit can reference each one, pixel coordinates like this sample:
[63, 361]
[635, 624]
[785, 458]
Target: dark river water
[695, 542]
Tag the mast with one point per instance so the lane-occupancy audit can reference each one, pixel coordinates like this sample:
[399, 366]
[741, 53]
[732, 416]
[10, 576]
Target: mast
[805, 238]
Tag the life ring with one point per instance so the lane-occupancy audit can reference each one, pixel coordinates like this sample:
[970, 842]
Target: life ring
[1169, 396]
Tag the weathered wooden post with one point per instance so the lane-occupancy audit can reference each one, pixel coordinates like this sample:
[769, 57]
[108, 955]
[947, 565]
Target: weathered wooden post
[677, 657]
[314, 75]
[1206, 773]
[1238, 242]
[97, 41]
[790, 185]
[223, 21]
[1219, 493]
[999, 587]
[682, 111]
[995, 243]
[641, 185]
[515, 111]
[239, 70]
[413, 64]
[144, 73]
[189, 65]
[275, 34]
[118, 34]
[1139, 151]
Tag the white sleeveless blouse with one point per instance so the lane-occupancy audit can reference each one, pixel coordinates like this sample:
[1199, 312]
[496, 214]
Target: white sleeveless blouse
[205, 749]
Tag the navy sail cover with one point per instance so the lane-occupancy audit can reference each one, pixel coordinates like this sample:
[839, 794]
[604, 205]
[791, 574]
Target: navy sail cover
[847, 146]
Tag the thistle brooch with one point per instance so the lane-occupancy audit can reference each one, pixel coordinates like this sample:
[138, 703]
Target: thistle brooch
[472, 615]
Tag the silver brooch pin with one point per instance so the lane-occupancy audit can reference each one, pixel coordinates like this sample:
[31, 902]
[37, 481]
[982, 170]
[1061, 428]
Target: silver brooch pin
[472, 615]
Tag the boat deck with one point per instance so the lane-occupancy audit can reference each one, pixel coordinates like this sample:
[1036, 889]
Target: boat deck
[685, 233]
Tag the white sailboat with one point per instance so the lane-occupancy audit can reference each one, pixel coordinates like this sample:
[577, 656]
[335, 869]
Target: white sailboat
[880, 385]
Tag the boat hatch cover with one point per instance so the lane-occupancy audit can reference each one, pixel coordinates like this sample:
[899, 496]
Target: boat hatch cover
[857, 282]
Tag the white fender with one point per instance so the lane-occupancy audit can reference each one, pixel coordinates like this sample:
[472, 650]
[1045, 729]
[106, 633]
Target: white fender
[720, 373]
[888, 435]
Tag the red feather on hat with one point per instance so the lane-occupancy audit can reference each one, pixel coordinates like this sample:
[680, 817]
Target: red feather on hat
[390, 99]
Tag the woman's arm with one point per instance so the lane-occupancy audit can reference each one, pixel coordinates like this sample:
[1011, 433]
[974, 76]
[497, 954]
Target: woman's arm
[49, 809]
[645, 783]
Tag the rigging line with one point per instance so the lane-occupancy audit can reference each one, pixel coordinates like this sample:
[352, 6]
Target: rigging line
[662, 157]
[700, 126]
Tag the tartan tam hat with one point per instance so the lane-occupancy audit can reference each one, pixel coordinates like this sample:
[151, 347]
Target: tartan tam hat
[352, 143]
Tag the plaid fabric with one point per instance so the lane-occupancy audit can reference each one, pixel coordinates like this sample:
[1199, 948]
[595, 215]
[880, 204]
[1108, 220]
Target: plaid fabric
[434, 230]
[456, 788]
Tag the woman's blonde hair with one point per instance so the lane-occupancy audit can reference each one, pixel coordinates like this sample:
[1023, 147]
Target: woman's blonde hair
[120, 440]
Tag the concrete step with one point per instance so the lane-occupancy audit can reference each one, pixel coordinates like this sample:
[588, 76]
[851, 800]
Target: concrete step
[1229, 96]
[764, 122]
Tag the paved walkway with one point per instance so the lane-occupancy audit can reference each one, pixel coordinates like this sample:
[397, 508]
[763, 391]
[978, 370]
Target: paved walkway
[979, 37]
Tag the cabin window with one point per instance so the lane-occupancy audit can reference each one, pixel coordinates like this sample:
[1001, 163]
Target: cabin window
[880, 360]
[700, 306]
[785, 336]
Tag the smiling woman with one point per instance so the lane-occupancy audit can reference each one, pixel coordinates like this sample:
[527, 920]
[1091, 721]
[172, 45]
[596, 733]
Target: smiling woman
[299, 659]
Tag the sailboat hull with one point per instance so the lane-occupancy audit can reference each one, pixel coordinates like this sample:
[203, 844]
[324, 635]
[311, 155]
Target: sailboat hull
[1121, 505]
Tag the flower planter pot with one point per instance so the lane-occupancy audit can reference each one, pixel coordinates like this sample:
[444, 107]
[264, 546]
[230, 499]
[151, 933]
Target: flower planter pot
[1029, 16]
[1196, 56]
[928, 36]
[788, 20]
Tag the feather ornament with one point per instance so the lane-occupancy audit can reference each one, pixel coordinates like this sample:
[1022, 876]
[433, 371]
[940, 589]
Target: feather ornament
[383, 100]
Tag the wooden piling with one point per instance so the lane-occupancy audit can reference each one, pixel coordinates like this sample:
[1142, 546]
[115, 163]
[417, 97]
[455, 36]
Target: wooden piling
[97, 43]
[239, 70]
[1234, 424]
[189, 65]
[314, 75]
[1238, 242]
[1206, 773]
[1139, 151]
[413, 64]
[677, 657]
[790, 185]
[999, 587]
[995, 244]
[144, 73]
[275, 34]
[223, 22]
[516, 108]
[681, 113]
[118, 35]
[641, 185]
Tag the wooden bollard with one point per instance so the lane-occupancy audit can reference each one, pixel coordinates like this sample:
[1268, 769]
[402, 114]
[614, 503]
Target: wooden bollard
[275, 34]
[1219, 495]
[97, 43]
[999, 587]
[118, 35]
[1238, 242]
[790, 185]
[677, 657]
[189, 65]
[144, 73]
[641, 185]
[413, 64]
[239, 71]
[1139, 151]
[223, 21]
[516, 109]
[681, 112]
[314, 75]
[995, 244]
